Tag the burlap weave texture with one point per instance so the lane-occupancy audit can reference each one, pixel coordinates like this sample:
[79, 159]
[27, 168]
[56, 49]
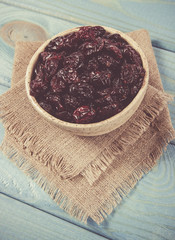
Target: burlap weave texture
[87, 176]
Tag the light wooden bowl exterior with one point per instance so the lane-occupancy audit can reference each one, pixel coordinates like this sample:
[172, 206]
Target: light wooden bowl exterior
[92, 129]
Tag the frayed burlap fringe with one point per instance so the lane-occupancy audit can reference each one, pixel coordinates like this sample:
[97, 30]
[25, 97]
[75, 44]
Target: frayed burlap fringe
[30, 170]
[129, 137]
[40, 151]
[64, 202]
[28, 143]
[141, 145]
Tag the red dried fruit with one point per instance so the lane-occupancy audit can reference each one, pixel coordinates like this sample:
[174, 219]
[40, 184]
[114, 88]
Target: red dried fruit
[57, 84]
[107, 60]
[85, 34]
[105, 100]
[63, 115]
[63, 43]
[93, 64]
[87, 76]
[74, 60]
[130, 73]
[83, 90]
[108, 111]
[68, 75]
[89, 48]
[103, 92]
[84, 77]
[84, 114]
[134, 91]
[52, 66]
[101, 79]
[38, 86]
[56, 44]
[71, 40]
[116, 38]
[70, 101]
[116, 52]
[131, 55]
[55, 100]
[44, 56]
[46, 106]
[97, 31]
[123, 92]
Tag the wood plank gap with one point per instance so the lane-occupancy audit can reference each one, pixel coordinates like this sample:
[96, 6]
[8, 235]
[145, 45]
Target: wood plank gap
[164, 49]
[39, 209]
[5, 85]
[172, 142]
[65, 17]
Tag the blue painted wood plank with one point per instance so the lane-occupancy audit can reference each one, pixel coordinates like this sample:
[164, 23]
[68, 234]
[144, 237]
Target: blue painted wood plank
[156, 16]
[166, 65]
[147, 213]
[7, 14]
[19, 221]
[165, 59]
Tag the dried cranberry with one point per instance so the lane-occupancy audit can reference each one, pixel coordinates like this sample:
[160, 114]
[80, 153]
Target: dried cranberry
[71, 40]
[53, 63]
[103, 92]
[40, 70]
[70, 101]
[75, 60]
[85, 34]
[134, 91]
[130, 73]
[84, 114]
[38, 86]
[131, 55]
[105, 100]
[115, 83]
[108, 111]
[63, 42]
[63, 115]
[56, 44]
[87, 76]
[84, 77]
[55, 100]
[107, 60]
[88, 48]
[57, 84]
[97, 31]
[51, 55]
[68, 75]
[101, 79]
[93, 64]
[116, 51]
[83, 90]
[52, 66]
[123, 92]
[46, 106]
[116, 38]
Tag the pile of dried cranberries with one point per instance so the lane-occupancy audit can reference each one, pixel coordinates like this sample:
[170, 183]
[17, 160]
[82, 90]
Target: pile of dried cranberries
[87, 76]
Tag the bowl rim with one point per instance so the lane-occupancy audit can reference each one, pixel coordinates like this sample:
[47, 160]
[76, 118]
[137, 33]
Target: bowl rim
[62, 123]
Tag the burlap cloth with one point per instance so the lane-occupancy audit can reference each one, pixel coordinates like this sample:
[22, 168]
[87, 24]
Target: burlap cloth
[86, 176]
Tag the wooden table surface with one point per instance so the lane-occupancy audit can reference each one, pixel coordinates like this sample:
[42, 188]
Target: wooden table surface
[26, 211]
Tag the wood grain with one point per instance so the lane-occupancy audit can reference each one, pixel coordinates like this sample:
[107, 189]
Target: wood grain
[22, 31]
[156, 16]
[18, 219]
[149, 211]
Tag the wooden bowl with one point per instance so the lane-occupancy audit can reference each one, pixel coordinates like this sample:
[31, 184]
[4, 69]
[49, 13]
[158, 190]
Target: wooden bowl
[99, 128]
